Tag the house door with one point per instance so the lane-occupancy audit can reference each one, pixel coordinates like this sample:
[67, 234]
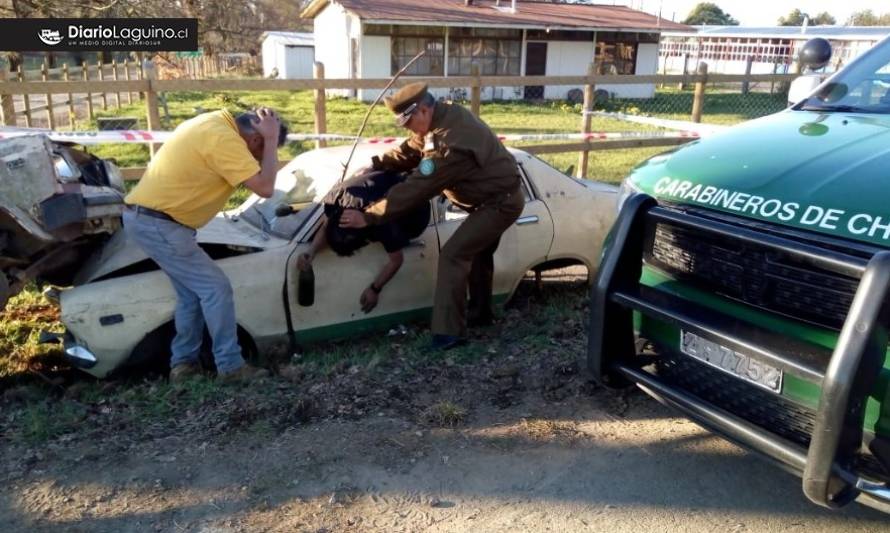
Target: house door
[535, 65]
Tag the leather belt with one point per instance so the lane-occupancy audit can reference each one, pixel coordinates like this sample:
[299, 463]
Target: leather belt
[140, 210]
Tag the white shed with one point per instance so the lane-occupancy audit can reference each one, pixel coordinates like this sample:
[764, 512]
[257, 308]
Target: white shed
[287, 55]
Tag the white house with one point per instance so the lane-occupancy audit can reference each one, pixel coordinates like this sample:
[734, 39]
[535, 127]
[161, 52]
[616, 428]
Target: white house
[375, 38]
[771, 49]
[287, 55]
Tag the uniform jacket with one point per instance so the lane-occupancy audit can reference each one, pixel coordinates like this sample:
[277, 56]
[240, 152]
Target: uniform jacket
[460, 157]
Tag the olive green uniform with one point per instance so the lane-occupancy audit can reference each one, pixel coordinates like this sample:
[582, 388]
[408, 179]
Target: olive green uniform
[462, 158]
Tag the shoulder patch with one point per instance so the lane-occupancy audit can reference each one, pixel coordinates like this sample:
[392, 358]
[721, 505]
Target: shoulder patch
[426, 166]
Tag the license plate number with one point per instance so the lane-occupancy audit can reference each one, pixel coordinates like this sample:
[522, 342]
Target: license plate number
[731, 362]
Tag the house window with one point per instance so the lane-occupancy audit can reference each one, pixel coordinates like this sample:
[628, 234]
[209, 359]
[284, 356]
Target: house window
[497, 51]
[615, 57]
[407, 41]
[431, 64]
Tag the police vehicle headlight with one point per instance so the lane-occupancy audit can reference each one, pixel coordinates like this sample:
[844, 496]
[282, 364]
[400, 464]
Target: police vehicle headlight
[626, 189]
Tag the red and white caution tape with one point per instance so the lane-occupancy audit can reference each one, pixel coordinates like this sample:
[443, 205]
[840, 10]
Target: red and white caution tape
[143, 137]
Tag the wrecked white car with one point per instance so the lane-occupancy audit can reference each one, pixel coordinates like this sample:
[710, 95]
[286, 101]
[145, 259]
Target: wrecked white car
[121, 310]
[58, 205]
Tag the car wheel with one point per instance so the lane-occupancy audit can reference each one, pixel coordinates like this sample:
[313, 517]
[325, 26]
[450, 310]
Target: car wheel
[152, 354]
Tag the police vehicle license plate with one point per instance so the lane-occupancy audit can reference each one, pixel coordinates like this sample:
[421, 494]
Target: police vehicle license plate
[731, 362]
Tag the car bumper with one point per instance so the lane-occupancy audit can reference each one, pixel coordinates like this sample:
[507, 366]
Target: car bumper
[825, 465]
[76, 353]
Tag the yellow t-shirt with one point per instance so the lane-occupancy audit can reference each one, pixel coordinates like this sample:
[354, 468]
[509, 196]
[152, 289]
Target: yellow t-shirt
[193, 174]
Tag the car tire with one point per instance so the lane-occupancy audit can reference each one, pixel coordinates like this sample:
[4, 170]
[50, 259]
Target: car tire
[152, 354]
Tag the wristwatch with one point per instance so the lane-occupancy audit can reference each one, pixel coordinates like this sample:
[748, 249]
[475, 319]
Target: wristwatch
[374, 288]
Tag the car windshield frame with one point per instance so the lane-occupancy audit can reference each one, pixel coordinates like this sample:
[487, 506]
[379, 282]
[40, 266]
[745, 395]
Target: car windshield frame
[299, 182]
[861, 87]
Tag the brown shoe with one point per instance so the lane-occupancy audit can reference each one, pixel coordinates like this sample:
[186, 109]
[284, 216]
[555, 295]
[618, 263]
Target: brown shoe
[184, 372]
[244, 374]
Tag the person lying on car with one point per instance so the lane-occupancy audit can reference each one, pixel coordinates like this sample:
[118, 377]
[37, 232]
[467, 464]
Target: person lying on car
[359, 192]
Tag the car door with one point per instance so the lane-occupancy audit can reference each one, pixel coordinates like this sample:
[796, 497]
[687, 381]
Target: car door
[524, 244]
[340, 281]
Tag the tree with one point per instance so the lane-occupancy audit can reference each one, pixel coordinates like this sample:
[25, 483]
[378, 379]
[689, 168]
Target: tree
[823, 19]
[796, 18]
[867, 17]
[707, 13]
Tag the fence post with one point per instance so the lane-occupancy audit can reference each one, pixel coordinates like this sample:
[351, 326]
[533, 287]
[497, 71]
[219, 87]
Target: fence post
[7, 104]
[745, 84]
[127, 77]
[49, 98]
[102, 78]
[589, 97]
[682, 86]
[152, 115]
[321, 120]
[85, 70]
[141, 72]
[117, 96]
[475, 90]
[698, 101]
[26, 98]
[67, 77]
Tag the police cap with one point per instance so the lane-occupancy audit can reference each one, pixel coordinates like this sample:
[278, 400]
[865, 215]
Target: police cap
[406, 99]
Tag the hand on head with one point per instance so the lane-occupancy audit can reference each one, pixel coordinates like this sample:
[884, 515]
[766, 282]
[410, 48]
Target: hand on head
[268, 125]
[353, 218]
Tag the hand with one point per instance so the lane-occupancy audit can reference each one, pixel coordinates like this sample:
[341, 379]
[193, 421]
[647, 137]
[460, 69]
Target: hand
[304, 262]
[353, 218]
[268, 124]
[369, 300]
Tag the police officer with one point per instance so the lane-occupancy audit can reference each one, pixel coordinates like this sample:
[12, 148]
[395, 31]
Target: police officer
[450, 151]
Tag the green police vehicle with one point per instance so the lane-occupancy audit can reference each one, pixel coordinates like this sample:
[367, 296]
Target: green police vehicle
[746, 282]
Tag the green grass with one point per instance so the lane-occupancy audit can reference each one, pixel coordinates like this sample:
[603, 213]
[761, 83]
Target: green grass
[20, 324]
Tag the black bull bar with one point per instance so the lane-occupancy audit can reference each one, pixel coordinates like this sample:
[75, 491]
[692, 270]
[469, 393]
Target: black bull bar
[845, 381]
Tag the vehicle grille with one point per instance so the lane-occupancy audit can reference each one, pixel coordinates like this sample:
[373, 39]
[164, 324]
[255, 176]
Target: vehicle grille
[779, 415]
[763, 408]
[751, 273]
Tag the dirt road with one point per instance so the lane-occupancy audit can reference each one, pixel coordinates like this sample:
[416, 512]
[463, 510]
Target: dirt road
[517, 440]
[587, 464]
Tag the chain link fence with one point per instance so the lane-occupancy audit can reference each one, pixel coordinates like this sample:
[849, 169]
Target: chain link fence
[724, 103]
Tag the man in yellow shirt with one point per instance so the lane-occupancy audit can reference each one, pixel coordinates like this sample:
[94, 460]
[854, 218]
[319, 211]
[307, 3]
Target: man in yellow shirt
[186, 184]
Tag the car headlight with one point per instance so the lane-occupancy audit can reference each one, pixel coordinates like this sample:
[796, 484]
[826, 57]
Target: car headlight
[115, 178]
[626, 189]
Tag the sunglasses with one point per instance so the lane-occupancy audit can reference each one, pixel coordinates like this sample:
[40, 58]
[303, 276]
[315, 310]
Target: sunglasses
[403, 117]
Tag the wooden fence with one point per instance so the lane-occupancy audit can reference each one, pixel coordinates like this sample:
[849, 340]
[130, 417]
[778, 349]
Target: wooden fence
[149, 86]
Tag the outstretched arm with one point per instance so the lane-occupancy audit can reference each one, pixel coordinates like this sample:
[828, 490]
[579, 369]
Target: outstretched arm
[370, 295]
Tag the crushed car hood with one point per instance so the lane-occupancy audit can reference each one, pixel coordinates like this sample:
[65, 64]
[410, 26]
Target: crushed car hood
[824, 172]
[120, 252]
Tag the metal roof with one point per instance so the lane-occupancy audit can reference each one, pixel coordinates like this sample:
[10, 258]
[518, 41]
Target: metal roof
[291, 38]
[529, 14]
[838, 33]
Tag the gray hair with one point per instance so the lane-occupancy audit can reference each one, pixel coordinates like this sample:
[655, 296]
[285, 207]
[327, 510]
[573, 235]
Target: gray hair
[245, 122]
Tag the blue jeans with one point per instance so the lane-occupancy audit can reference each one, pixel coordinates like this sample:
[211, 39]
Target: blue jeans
[203, 292]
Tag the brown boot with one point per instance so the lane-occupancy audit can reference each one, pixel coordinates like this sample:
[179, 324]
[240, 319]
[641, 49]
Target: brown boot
[184, 372]
[245, 374]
